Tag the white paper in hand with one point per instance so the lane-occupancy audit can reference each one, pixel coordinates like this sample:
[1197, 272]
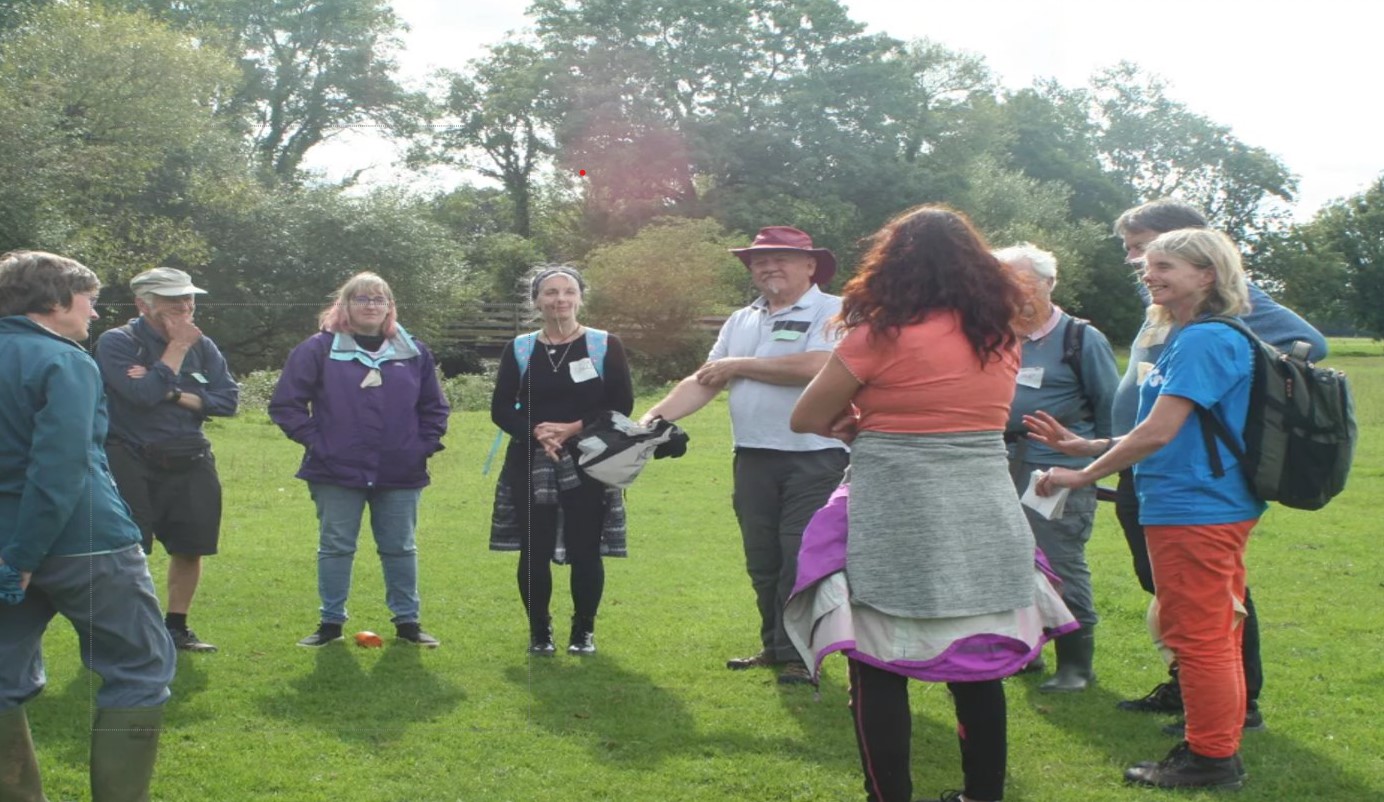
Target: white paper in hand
[1049, 507]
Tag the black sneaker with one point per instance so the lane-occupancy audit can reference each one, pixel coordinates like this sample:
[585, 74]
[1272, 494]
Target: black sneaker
[325, 634]
[1254, 722]
[1183, 768]
[413, 633]
[186, 640]
[582, 643]
[1166, 697]
[541, 640]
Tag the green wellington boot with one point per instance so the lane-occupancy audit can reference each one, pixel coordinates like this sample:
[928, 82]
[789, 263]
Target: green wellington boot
[1075, 652]
[124, 744]
[19, 779]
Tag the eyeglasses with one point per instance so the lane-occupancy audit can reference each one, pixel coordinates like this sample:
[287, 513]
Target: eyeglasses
[369, 300]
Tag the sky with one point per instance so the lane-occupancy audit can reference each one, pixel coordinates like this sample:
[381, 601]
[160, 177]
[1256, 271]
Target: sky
[1299, 79]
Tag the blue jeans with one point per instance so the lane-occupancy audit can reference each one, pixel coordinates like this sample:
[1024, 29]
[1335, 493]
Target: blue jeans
[393, 519]
[110, 601]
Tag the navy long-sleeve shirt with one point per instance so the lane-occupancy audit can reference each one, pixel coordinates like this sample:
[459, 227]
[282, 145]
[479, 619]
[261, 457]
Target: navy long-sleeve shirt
[139, 408]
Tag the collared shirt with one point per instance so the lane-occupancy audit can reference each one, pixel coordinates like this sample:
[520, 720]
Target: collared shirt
[1046, 328]
[140, 410]
[759, 411]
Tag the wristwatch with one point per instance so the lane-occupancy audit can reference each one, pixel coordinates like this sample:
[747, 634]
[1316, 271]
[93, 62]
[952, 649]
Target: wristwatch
[176, 395]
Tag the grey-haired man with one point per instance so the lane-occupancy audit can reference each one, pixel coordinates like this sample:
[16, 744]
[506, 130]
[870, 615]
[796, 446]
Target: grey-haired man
[164, 379]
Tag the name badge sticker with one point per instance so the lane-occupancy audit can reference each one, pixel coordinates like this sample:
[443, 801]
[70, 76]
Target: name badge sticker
[1030, 377]
[582, 370]
[199, 377]
[787, 334]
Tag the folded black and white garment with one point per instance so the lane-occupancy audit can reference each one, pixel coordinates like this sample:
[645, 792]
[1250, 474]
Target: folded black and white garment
[613, 449]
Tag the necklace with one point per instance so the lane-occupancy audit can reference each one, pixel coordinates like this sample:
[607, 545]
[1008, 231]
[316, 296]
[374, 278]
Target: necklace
[552, 350]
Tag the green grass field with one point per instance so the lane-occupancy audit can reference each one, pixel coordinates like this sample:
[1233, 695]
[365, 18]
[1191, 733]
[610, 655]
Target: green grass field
[655, 716]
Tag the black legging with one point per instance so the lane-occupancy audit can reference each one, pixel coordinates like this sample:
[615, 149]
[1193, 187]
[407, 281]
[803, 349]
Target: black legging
[884, 727]
[1127, 511]
[583, 514]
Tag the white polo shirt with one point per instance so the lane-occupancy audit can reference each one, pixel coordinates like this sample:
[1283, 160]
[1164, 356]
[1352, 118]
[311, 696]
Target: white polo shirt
[758, 410]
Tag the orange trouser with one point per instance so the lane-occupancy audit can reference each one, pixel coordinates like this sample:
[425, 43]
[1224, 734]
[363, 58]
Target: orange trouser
[1199, 573]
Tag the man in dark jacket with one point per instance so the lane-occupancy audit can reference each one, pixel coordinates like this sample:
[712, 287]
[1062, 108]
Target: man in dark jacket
[66, 543]
[165, 379]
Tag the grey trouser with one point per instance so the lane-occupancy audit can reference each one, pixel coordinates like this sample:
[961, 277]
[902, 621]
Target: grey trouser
[1063, 541]
[110, 601]
[776, 494]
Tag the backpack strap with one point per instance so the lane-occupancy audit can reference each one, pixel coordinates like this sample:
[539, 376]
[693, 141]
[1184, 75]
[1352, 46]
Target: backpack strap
[1073, 341]
[1212, 427]
[523, 351]
[597, 343]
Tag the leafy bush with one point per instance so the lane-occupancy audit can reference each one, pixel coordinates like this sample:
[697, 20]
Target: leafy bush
[469, 392]
[256, 388]
[652, 288]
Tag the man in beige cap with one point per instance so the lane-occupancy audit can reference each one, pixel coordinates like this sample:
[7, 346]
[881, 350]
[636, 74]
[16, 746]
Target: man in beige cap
[164, 378]
[766, 354]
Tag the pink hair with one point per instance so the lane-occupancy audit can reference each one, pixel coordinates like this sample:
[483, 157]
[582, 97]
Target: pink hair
[337, 318]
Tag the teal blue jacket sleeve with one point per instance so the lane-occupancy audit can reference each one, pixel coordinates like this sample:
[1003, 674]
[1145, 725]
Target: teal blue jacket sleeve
[59, 472]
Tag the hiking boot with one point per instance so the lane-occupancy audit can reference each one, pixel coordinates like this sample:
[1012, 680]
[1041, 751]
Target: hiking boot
[325, 634]
[1183, 768]
[541, 639]
[1166, 697]
[582, 641]
[759, 659]
[795, 673]
[186, 640]
[413, 633]
[1254, 722]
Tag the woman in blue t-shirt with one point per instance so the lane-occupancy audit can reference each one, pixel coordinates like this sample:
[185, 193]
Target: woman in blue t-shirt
[1197, 522]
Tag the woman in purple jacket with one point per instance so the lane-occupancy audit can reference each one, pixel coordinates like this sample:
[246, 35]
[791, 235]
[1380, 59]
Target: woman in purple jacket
[363, 399]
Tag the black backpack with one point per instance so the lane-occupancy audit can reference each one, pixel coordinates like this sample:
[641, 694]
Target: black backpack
[1300, 431]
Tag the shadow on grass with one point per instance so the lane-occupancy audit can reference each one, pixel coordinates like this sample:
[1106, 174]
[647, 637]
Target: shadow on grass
[1279, 766]
[624, 717]
[377, 706]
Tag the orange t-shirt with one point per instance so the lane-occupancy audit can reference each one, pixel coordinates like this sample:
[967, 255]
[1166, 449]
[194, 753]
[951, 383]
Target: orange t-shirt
[928, 379]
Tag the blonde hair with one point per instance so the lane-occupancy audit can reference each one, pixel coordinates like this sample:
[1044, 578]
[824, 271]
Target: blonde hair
[337, 317]
[1206, 249]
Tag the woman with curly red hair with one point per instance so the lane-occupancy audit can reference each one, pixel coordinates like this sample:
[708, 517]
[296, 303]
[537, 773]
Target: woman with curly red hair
[938, 572]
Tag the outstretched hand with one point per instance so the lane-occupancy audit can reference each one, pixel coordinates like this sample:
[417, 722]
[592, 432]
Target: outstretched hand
[1045, 429]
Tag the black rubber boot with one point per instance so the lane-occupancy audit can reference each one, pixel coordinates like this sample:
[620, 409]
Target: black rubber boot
[1075, 651]
[19, 778]
[124, 746]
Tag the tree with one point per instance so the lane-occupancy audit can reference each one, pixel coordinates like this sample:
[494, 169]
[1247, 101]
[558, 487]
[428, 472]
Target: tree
[1162, 149]
[310, 68]
[109, 131]
[503, 112]
[687, 266]
[277, 253]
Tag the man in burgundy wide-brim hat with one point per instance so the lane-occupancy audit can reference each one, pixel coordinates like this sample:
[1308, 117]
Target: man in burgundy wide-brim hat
[766, 354]
[789, 239]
